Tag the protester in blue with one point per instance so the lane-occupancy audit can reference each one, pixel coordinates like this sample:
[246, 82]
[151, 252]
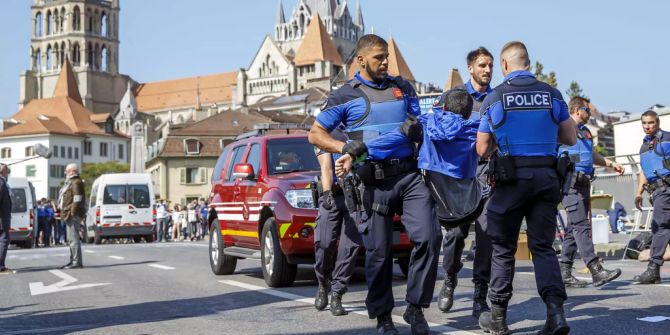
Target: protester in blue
[204, 211]
[523, 122]
[43, 223]
[373, 104]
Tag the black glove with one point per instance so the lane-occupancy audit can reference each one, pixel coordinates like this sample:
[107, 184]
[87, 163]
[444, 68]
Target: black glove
[355, 149]
[412, 129]
[327, 200]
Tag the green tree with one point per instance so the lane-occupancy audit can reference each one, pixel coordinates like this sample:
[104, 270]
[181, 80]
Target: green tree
[575, 90]
[91, 171]
[547, 78]
[599, 148]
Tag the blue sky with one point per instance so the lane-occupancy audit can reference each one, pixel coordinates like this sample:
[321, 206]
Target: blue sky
[616, 50]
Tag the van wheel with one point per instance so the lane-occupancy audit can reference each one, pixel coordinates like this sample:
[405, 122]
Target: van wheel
[221, 264]
[403, 264]
[149, 238]
[137, 239]
[277, 271]
[25, 244]
[97, 239]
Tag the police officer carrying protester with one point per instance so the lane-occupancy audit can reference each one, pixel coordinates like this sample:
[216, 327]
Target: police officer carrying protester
[334, 262]
[480, 66]
[655, 179]
[71, 201]
[5, 217]
[523, 121]
[577, 202]
[371, 104]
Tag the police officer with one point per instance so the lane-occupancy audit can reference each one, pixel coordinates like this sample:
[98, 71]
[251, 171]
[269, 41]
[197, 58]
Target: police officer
[655, 179]
[332, 221]
[523, 119]
[577, 202]
[5, 217]
[371, 104]
[480, 66]
[72, 210]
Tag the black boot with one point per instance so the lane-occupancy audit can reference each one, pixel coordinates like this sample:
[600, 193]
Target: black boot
[602, 276]
[385, 325]
[568, 279]
[446, 298]
[479, 304]
[321, 300]
[556, 323]
[651, 276]
[336, 305]
[495, 321]
[417, 322]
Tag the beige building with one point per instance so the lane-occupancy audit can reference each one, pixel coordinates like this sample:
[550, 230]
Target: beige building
[87, 34]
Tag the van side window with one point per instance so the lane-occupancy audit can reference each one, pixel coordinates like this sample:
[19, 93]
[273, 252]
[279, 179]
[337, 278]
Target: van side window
[94, 195]
[237, 158]
[254, 158]
[216, 174]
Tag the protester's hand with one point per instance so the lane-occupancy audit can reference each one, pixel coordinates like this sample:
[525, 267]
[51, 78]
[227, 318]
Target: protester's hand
[618, 168]
[638, 202]
[412, 128]
[343, 165]
[356, 149]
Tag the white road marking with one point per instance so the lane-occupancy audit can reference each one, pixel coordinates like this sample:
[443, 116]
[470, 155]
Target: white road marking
[439, 328]
[38, 288]
[116, 257]
[89, 251]
[654, 319]
[162, 267]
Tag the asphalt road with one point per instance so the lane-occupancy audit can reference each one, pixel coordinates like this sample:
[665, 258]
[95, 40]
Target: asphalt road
[168, 288]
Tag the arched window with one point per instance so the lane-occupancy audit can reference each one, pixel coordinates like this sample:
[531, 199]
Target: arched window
[96, 21]
[90, 21]
[49, 23]
[38, 24]
[38, 61]
[49, 58]
[61, 25]
[96, 57]
[103, 24]
[76, 55]
[62, 55]
[89, 57]
[103, 58]
[76, 19]
[56, 22]
[56, 61]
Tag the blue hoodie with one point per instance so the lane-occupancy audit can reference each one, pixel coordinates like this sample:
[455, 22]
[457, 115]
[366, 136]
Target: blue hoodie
[449, 144]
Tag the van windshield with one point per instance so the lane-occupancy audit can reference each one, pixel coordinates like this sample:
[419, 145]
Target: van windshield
[19, 204]
[290, 155]
[136, 195]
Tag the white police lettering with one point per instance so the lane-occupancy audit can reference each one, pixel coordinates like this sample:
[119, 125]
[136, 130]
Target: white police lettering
[527, 100]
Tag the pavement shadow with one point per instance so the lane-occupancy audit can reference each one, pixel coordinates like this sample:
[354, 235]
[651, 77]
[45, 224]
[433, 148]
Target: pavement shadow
[146, 312]
[51, 267]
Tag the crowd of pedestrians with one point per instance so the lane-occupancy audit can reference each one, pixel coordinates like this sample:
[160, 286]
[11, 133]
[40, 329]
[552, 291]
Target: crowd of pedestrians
[181, 222]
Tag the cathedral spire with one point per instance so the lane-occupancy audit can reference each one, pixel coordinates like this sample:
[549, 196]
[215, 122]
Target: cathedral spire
[359, 16]
[280, 13]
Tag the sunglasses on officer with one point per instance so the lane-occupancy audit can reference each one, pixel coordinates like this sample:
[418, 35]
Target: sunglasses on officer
[586, 109]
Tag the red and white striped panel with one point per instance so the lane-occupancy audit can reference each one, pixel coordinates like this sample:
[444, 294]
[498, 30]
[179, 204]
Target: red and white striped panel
[233, 211]
[128, 224]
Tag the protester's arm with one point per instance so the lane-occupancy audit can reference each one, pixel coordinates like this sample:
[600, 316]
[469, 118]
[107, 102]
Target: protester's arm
[640, 190]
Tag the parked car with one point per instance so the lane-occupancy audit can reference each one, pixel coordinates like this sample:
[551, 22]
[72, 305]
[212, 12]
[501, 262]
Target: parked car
[24, 218]
[121, 205]
[261, 207]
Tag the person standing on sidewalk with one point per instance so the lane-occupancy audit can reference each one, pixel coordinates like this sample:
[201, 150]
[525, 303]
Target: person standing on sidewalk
[162, 217]
[5, 217]
[577, 202]
[73, 210]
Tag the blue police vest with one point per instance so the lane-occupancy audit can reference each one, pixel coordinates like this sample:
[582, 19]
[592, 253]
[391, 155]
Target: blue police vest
[528, 126]
[653, 154]
[386, 110]
[582, 152]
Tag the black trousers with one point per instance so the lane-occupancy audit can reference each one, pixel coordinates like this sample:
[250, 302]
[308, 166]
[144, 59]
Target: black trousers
[454, 243]
[578, 230]
[534, 196]
[660, 225]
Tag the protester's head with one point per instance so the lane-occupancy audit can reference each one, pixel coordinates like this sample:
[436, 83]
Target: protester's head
[480, 66]
[514, 57]
[650, 122]
[458, 101]
[579, 109]
[372, 56]
[176, 207]
[71, 169]
[4, 170]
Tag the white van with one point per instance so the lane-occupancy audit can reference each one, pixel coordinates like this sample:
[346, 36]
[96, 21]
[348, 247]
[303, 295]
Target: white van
[121, 205]
[24, 219]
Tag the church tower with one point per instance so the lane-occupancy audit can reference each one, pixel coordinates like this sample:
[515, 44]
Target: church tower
[86, 32]
[344, 29]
